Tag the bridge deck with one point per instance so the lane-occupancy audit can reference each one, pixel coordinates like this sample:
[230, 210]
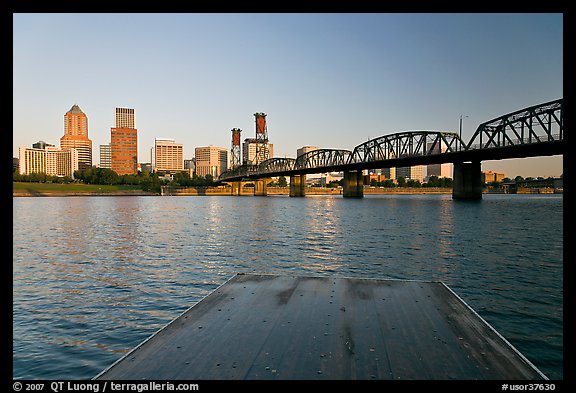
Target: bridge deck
[289, 327]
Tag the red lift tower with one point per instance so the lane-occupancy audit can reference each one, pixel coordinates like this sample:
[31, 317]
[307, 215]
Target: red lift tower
[262, 151]
[236, 157]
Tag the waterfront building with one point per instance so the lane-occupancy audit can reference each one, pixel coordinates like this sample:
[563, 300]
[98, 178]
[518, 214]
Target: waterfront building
[190, 166]
[105, 156]
[211, 160]
[50, 160]
[145, 166]
[124, 143]
[326, 178]
[167, 156]
[388, 173]
[490, 177]
[249, 150]
[412, 172]
[76, 136]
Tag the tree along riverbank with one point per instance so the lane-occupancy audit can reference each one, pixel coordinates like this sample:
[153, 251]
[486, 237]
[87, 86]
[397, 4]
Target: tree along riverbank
[30, 189]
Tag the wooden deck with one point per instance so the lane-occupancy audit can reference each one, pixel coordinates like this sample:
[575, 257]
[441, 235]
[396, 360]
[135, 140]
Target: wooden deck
[313, 328]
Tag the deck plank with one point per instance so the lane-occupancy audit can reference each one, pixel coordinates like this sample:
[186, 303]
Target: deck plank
[294, 327]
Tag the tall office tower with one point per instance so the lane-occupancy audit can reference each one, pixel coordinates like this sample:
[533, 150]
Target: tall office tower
[124, 118]
[76, 136]
[105, 156]
[124, 143]
[249, 150]
[211, 160]
[168, 156]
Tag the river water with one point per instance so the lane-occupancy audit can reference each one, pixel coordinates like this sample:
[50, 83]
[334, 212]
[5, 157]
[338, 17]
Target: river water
[95, 276]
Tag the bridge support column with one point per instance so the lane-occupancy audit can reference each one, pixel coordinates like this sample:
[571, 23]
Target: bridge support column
[353, 184]
[467, 181]
[237, 187]
[298, 186]
[260, 187]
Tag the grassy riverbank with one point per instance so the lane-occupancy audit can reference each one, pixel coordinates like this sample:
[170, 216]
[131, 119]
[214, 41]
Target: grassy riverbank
[73, 189]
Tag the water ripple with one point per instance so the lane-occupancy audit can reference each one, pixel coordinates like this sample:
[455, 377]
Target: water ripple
[92, 283]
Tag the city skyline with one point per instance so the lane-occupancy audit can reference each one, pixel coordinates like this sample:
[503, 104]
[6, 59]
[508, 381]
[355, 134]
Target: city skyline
[327, 80]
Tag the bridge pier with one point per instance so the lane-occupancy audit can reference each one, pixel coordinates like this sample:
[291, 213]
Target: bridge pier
[353, 184]
[467, 181]
[237, 188]
[260, 187]
[298, 185]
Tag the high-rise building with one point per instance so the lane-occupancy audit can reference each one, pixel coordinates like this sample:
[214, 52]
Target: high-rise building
[124, 143]
[411, 172]
[211, 160]
[105, 156]
[76, 136]
[249, 150]
[124, 118]
[168, 156]
[49, 159]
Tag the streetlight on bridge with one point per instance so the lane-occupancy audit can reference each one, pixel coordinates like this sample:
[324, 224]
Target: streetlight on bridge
[461, 129]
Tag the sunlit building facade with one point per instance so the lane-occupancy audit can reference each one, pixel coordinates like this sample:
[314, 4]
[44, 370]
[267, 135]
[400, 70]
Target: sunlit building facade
[211, 160]
[50, 160]
[76, 136]
[124, 143]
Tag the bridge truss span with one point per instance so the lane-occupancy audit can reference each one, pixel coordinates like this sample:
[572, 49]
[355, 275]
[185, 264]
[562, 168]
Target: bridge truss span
[276, 165]
[536, 124]
[406, 144]
[322, 158]
[530, 132]
[238, 172]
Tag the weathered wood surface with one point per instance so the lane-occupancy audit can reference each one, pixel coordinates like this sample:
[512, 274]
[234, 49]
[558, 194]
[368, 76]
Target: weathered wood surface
[292, 327]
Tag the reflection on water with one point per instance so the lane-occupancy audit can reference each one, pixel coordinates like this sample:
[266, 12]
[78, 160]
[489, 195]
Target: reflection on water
[94, 276]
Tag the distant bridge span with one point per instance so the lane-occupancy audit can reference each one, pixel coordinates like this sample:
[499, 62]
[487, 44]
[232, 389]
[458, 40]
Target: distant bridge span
[530, 132]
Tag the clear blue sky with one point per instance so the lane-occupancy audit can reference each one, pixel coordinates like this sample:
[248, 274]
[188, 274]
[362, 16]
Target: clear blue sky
[331, 80]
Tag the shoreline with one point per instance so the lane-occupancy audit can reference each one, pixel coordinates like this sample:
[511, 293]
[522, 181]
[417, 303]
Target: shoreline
[192, 191]
[272, 191]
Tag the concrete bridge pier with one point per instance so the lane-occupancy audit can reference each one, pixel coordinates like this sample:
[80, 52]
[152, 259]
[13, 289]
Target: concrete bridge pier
[467, 181]
[353, 184]
[260, 187]
[237, 188]
[298, 185]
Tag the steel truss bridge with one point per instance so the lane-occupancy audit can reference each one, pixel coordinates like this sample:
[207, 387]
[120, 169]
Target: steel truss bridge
[530, 132]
